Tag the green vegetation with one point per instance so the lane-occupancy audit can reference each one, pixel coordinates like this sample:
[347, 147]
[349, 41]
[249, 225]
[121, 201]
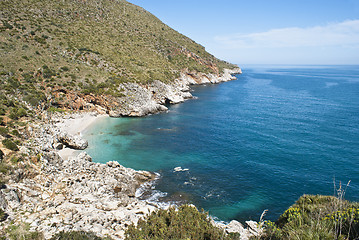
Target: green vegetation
[65, 45]
[185, 223]
[4, 131]
[316, 217]
[3, 215]
[21, 232]
[10, 145]
[75, 235]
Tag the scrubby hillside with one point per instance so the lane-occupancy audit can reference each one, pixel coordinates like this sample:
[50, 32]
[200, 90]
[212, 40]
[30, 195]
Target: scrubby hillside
[50, 48]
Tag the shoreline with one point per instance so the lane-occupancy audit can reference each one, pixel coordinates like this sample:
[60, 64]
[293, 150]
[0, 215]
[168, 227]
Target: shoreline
[69, 192]
[76, 124]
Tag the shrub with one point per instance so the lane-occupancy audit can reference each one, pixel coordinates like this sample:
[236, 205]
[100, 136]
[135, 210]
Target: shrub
[75, 235]
[3, 215]
[18, 113]
[185, 223]
[47, 72]
[16, 133]
[316, 217]
[40, 40]
[64, 69]
[21, 112]
[4, 131]
[15, 159]
[7, 25]
[1, 155]
[55, 109]
[22, 232]
[10, 145]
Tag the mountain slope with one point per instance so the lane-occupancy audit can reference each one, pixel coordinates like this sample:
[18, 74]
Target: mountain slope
[96, 40]
[72, 53]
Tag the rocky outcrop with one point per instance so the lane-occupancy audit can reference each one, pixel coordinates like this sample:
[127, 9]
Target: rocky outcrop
[141, 100]
[74, 193]
[252, 229]
[77, 194]
[136, 100]
[74, 142]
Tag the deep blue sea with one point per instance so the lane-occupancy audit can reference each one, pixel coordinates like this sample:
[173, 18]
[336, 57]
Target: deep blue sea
[255, 143]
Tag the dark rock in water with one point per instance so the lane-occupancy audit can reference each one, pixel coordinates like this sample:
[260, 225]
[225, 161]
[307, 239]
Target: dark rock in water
[124, 133]
[178, 197]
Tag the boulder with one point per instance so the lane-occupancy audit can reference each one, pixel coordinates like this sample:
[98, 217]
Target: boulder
[234, 227]
[52, 158]
[74, 142]
[84, 157]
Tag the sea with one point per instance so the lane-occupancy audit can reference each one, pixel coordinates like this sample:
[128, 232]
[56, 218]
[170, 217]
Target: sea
[241, 147]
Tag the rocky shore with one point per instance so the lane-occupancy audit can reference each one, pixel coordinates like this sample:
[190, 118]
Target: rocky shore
[141, 100]
[135, 99]
[65, 191]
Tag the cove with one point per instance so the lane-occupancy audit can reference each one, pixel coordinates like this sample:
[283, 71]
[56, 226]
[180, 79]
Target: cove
[243, 146]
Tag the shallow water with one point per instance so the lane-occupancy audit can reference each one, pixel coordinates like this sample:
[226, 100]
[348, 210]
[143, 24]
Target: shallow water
[256, 143]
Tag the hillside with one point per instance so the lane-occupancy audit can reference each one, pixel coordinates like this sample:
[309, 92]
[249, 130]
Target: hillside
[89, 47]
[106, 56]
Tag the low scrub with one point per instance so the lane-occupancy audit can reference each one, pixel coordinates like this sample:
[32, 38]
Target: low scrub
[316, 217]
[10, 145]
[22, 232]
[183, 223]
[76, 235]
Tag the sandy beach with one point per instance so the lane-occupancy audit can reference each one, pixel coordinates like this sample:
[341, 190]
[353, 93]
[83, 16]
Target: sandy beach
[75, 124]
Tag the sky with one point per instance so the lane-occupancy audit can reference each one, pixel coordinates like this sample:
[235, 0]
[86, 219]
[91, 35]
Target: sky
[267, 31]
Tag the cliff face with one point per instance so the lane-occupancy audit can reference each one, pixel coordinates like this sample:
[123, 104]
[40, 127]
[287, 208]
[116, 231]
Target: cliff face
[139, 100]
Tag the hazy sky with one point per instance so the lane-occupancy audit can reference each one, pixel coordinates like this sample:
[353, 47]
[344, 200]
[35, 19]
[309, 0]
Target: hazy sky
[267, 31]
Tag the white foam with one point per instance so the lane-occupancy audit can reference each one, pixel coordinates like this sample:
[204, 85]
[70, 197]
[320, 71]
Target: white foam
[180, 169]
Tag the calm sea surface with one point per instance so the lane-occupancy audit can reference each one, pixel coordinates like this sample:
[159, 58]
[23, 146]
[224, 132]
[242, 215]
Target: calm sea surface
[256, 143]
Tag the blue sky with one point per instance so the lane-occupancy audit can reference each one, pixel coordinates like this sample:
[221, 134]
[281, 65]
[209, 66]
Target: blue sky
[267, 32]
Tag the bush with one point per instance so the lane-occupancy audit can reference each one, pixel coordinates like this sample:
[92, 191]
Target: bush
[17, 113]
[316, 217]
[1, 155]
[64, 69]
[4, 131]
[75, 235]
[10, 145]
[15, 159]
[3, 215]
[16, 133]
[22, 232]
[47, 72]
[185, 223]
[21, 112]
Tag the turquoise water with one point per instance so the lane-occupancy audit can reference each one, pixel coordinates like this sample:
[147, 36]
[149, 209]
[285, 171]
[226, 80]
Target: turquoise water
[256, 143]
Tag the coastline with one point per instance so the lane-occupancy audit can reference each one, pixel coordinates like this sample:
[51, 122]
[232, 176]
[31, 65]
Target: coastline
[76, 124]
[71, 193]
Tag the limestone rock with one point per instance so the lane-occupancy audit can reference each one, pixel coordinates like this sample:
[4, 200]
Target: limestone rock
[52, 158]
[74, 142]
[234, 227]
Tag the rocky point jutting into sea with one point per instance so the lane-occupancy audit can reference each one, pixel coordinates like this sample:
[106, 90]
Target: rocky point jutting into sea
[66, 192]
